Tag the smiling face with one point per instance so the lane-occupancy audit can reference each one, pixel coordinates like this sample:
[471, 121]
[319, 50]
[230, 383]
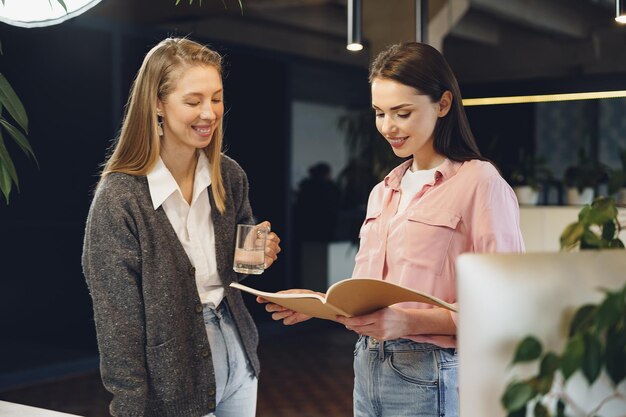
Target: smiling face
[193, 110]
[407, 119]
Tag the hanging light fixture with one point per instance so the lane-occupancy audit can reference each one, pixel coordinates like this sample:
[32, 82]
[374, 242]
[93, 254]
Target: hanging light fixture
[354, 26]
[37, 13]
[620, 11]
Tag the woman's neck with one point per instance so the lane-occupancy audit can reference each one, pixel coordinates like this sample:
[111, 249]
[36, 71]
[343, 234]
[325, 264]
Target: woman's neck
[423, 162]
[182, 165]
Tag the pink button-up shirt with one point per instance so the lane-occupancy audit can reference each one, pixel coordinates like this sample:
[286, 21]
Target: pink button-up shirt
[467, 208]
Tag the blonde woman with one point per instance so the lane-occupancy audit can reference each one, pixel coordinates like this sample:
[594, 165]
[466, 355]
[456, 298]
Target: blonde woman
[174, 339]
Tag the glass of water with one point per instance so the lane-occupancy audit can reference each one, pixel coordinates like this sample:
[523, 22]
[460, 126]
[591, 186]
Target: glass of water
[250, 249]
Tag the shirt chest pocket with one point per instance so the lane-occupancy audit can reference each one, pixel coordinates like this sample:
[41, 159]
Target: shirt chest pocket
[369, 237]
[428, 232]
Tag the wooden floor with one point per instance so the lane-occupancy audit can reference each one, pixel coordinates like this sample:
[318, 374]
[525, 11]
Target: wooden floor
[306, 372]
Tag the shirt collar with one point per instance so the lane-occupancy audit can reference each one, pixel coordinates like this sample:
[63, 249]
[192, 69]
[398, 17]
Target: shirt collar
[446, 170]
[162, 184]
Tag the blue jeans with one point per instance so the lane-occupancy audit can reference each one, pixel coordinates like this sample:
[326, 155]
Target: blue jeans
[236, 384]
[402, 378]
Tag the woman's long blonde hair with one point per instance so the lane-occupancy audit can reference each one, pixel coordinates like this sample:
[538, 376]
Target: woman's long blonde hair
[138, 146]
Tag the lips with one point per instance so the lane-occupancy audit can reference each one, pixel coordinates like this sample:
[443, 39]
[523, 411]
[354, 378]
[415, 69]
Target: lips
[397, 142]
[203, 130]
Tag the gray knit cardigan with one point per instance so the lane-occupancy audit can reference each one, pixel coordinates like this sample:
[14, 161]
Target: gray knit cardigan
[155, 356]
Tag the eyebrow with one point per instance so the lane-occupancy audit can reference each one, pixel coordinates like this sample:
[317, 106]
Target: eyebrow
[399, 106]
[200, 94]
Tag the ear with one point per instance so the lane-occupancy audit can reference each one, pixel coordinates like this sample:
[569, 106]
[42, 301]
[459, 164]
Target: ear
[445, 102]
[159, 107]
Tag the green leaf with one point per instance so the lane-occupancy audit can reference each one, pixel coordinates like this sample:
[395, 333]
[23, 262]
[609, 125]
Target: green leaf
[571, 235]
[602, 210]
[12, 103]
[549, 364]
[7, 162]
[610, 311]
[19, 138]
[572, 358]
[560, 408]
[517, 395]
[590, 240]
[615, 353]
[592, 358]
[608, 230]
[540, 410]
[583, 319]
[584, 214]
[528, 349]
[517, 413]
[5, 181]
[616, 244]
[62, 3]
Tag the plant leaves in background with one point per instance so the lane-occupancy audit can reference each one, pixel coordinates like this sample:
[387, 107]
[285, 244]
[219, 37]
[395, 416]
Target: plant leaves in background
[540, 410]
[615, 352]
[572, 358]
[549, 365]
[12, 103]
[571, 235]
[592, 358]
[528, 349]
[517, 395]
[19, 138]
[583, 319]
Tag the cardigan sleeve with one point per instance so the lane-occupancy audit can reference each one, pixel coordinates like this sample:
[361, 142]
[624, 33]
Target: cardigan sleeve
[112, 267]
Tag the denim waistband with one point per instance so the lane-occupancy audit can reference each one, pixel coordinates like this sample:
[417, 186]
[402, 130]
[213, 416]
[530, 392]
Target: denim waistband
[220, 311]
[403, 345]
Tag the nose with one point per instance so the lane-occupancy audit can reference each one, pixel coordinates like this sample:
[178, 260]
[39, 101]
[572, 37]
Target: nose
[387, 127]
[208, 113]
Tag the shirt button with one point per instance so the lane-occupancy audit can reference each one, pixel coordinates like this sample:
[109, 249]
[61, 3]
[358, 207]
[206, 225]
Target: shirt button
[211, 405]
[205, 353]
[211, 391]
[198, 308]
[192, 271]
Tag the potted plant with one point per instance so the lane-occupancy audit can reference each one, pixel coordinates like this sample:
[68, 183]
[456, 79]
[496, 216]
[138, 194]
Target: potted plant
[528, 176]
[617, 180]
[582, 179]
[10, 104]
[596, 341]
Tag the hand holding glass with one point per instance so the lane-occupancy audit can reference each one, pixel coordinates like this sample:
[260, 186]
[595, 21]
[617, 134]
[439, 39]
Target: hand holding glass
[250, 249]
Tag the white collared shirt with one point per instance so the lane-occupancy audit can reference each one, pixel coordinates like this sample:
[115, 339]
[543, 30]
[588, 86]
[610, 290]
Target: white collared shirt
[192, 223]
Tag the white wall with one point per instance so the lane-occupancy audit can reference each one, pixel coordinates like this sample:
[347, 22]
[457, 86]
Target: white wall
[316, 137]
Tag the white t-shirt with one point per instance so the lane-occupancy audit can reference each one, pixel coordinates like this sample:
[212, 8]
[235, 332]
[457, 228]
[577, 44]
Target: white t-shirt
[192, 223]
[412, 183]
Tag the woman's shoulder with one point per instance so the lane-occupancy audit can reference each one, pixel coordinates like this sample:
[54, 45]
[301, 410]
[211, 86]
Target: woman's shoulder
[231, 168]
[479, 170]
[117, 189]
[118, 182]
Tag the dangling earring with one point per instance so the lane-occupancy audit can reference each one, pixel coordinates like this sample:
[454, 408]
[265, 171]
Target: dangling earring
[159, 124]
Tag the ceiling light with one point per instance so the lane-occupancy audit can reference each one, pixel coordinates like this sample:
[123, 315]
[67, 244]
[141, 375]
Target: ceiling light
[354, 26]
[620, 11]
[36, 13]
[489, 101]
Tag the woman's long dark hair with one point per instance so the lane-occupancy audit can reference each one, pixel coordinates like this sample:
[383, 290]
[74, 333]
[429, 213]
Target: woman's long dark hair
[422, 67]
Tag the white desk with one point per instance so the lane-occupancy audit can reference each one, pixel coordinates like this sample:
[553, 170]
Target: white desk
[542, 225]
[18, 410]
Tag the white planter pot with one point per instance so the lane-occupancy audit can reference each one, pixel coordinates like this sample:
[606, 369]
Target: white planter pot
[526, 195]
[576, 198]
[621, 197]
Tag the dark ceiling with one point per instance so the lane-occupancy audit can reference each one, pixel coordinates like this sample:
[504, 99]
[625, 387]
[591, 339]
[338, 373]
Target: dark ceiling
[484, 40]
